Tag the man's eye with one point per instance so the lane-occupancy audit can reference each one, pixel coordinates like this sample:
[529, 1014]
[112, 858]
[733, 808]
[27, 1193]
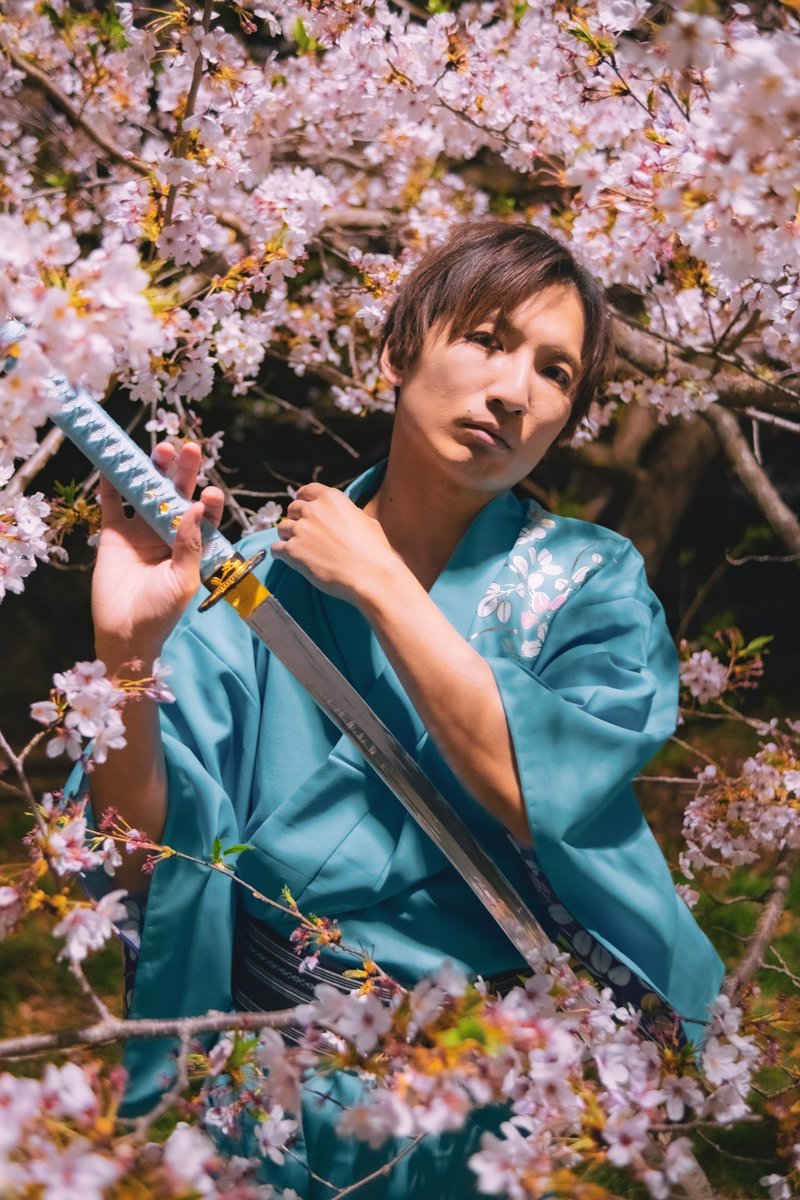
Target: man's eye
[484, 338]
[561, 377]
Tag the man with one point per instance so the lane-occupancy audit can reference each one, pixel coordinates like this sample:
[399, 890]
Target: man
[521, 657]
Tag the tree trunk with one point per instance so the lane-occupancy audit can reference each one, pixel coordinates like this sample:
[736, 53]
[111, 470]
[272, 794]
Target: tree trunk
[660, 498]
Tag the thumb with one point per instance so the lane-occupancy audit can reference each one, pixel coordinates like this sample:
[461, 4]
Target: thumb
[188, 546]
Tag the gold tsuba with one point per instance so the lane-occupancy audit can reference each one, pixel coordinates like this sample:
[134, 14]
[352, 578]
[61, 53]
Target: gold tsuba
[229, 577]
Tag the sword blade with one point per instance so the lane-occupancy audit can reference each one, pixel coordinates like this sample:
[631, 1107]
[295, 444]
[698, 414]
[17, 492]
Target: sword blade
[339, 700]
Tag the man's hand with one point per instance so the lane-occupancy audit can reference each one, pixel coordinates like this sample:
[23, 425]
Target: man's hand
[338, 548]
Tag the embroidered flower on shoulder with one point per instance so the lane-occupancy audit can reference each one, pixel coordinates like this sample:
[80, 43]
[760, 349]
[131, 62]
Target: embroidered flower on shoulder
[532, 587]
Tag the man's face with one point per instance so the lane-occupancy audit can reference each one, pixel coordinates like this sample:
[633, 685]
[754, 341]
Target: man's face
[484, 408]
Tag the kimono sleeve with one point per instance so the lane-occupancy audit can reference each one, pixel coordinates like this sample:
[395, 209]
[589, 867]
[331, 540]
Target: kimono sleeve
[584, 719]
[209, 737]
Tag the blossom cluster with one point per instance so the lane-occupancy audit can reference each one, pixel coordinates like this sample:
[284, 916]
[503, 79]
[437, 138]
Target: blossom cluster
[568, 1063]
[705, 677]
[735, 820]
[246, 228]
[23, 537]
[85, 704]
[55, 1142]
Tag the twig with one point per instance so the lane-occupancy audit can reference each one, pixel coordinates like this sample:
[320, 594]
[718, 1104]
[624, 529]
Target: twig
[699, 597]
[114, 1029]
[142, 1125]
[17, 763]
[770, 419]
[74, 115]
[12, 787]
[321, 370]
[683, 779]
[188, 111]
[728, 1154]
[761, 558]
[384, 1170]
[753, 477]
[97, 1004]
[48, 446]
[669, 1127]
[761, 936]
[308, 415]
[693, 750]
[783, 968]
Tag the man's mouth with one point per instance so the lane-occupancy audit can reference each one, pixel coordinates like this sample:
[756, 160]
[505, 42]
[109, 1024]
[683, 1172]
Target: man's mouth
[490, 435]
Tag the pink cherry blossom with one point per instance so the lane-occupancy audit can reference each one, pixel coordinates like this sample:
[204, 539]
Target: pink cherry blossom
[88, 927]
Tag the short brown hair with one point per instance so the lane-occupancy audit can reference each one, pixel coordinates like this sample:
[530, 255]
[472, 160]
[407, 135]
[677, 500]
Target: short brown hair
[484, 270]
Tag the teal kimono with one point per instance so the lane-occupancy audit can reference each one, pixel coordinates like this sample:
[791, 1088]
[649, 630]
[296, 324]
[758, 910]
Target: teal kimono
[587, 672]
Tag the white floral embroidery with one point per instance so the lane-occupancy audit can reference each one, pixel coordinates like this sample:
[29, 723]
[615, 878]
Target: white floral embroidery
[541, 584]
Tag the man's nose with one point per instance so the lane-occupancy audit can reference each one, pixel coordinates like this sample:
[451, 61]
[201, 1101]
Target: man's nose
[512, 384]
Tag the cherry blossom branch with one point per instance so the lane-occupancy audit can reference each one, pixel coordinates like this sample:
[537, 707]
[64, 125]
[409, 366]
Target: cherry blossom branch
[49, 445]
[38, 79]
[113, 1029]
[761, 937]
[774, 950]
[188, 111]
[655, 353]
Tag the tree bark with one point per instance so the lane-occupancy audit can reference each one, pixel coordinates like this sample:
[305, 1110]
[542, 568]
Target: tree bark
[661, 497]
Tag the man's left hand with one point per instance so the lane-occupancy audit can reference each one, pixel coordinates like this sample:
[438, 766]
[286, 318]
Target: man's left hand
[335, 545]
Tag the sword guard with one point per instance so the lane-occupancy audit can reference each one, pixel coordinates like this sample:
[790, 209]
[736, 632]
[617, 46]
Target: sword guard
[229, 576]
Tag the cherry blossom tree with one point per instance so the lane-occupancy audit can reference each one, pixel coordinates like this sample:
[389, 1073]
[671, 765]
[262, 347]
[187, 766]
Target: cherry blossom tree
[192, 195]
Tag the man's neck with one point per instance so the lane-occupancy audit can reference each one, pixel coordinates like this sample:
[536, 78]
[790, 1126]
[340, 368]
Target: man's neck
[423, 516]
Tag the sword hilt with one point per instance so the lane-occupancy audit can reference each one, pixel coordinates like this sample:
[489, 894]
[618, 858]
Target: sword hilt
[127, 467]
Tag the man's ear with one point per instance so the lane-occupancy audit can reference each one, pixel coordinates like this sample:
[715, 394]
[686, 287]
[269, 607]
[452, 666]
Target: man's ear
[388, 369]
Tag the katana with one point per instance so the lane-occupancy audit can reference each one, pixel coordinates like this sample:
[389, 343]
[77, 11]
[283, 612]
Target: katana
[228, 575]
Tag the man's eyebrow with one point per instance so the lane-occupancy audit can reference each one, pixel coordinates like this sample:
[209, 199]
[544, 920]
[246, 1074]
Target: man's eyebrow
[561, 352]
[555, 348]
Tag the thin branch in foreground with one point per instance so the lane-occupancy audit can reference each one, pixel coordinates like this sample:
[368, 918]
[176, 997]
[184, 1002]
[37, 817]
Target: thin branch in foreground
[91, 995]
[116, 1029]
[141, 1125]
[759, 940]
[384, 1170]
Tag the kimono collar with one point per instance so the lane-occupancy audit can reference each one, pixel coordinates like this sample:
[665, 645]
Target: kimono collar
[478, 556]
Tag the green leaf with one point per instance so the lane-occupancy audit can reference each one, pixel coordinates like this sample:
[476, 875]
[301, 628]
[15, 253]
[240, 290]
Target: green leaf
[304, 43]
[236, 849]
[758, 644]
[216, 851]
[67, 491]
[438, 6]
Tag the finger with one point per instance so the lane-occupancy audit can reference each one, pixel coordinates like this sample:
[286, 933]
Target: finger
[213, 499]
[162, 457]
[188, 546]
[110, 503]
[309, 490]
[187, 465]
[297, 509]
[285, 529]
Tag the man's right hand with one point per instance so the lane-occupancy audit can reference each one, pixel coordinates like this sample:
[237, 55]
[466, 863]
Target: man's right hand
[140, 587]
